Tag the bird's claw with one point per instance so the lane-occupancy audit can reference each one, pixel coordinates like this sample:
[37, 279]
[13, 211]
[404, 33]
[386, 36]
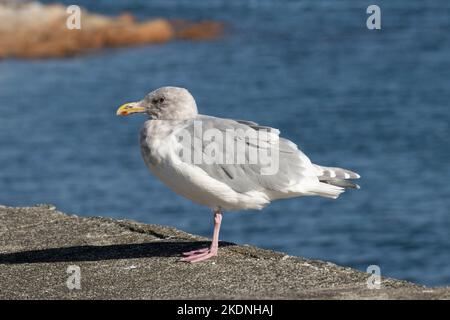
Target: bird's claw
[193, 252]
[199, 255]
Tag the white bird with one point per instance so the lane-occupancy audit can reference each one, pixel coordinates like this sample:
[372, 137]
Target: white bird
[178, 144]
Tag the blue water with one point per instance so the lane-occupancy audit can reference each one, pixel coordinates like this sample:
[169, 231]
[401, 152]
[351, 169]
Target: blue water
[376, 102]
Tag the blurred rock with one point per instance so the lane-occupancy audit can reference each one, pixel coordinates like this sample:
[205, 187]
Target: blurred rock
[34, 30]
[204, 30]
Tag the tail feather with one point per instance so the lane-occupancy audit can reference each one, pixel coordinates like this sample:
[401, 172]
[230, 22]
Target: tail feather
[337, 177]
[342, 183]
[327, 173]
[326, 190]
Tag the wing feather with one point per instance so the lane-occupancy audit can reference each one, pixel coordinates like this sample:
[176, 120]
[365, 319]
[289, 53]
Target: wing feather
[293, 168]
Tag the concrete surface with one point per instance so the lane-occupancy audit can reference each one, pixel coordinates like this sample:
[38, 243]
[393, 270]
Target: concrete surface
[121, 259]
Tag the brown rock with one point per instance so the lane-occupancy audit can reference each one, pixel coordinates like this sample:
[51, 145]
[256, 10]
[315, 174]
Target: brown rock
[127, 17]
[203, 30]
[126, 34]
[33, 30]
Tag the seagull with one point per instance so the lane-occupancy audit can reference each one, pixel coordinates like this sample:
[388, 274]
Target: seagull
[196, 156]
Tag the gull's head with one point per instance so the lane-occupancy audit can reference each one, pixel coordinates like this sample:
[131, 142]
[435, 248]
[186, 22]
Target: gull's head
[166, 103]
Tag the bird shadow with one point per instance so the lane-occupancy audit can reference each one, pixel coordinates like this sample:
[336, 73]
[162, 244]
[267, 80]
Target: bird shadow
[107, 252]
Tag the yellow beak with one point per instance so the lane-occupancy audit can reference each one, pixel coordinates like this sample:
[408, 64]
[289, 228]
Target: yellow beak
[129, 108]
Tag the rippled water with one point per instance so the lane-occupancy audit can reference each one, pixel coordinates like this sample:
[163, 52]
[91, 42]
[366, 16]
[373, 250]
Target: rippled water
[376, 102]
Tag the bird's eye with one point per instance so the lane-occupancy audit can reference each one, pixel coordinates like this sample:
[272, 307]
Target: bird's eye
[158, 100]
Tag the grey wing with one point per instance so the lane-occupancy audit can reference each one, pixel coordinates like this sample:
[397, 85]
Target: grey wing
[242, 176]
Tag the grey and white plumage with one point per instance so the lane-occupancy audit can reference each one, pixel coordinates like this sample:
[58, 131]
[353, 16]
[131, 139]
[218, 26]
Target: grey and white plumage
[226, 186]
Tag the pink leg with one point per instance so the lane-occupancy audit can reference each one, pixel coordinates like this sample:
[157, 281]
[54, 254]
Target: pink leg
[206, 253]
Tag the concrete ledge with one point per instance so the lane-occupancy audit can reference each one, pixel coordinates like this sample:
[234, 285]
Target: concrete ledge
[122, 259]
